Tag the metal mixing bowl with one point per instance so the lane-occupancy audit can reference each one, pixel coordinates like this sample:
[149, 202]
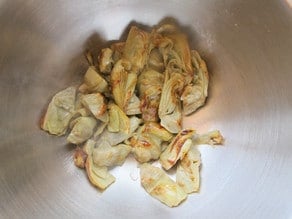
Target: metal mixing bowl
[248, 48]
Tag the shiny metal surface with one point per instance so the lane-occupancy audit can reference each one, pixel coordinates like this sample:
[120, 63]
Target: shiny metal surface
[248, 48]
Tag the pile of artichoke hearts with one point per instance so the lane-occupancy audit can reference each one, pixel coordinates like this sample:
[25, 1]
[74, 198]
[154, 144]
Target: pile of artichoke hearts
[131, 101]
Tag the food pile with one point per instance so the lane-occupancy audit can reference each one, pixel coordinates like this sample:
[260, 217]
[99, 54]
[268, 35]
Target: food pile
[132, 100]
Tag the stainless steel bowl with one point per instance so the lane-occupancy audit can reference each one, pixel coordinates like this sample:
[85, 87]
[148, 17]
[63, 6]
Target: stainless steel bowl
[248, 47]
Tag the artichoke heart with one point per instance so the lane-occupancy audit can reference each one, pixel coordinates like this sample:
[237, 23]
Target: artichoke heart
[95, 103]
[169, 110]
[136, 48]
[188, 171]
[159, 185]
[150, 85]
[60, 112]
[177, 149]
[146, 142]
[177, 54]
[105, 60]
[210, 138]
[133, 107]
[82, 130]
[117, 49]
[118, 120]
[98, 176]
[195, 94]
[93, 82]
[79, 157]
[123, 83]
[115, 138]
[106, 155]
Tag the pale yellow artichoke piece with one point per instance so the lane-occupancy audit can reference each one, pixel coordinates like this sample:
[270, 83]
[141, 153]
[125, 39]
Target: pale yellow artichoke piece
[145, 147]
[82, 130]
[136, 48]
[157, 130]
[210, 138]
[146, 142]
[177, 55]
[95, 103]
[88, 146]
[117, 49]
[115, 138]
[106, 155]
[188, 171]
[93, 82]
[177, 149]
[133, 107]
[118, 120]
[99, 129]
[60, 112]
[155, 60]
[105, 60]
[195, 94]
[98, 176]
[169, 110]
[79, 157]
[160, 186]
[123, 83]
[150, 85]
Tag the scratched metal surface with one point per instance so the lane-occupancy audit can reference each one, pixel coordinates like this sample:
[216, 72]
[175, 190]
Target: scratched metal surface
[248, 48]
